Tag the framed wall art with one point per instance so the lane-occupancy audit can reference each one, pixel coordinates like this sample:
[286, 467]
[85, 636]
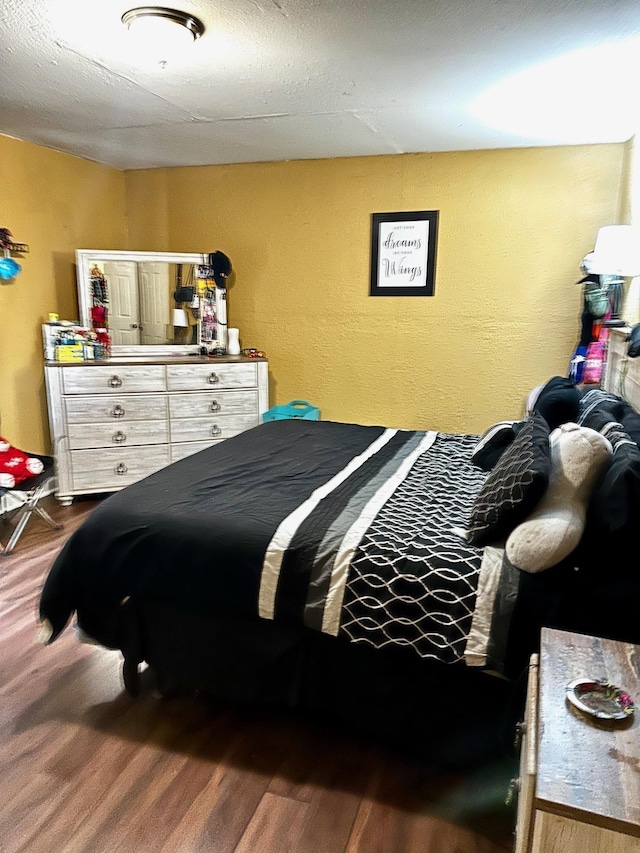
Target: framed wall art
[403, 253]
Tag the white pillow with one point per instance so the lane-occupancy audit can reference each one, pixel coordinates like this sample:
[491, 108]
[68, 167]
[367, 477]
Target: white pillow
[579, 457]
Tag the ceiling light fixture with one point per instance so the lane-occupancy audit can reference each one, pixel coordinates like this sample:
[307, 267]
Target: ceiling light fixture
[162, 32]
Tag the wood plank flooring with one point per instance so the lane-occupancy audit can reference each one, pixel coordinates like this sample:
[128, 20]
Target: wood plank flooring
[86, 769]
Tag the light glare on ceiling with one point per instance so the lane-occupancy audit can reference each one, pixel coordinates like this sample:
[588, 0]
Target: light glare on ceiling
[593, 90]
[162, 33]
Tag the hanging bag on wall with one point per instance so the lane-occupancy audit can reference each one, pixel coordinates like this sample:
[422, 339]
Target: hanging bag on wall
[184, 294]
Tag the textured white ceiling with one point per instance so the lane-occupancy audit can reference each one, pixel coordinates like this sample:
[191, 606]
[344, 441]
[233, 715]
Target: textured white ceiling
[298, 79]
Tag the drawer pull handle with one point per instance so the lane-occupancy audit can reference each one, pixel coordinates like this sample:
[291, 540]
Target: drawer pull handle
[521, 729]
[213, 379]
[115, 381]
[512, 791]
[117, 412]
[215, 406]
[119, 437]
[215, 430]
[514, 787]
[121, 468]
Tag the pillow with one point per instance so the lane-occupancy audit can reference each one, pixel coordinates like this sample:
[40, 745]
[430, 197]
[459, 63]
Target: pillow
[600, 420]
[558, 401]
[600, 401]
[494, 442]
[598, 407]
[579, 456]
[616, 502]
[16, 465]
[630, 420]
[514, 486]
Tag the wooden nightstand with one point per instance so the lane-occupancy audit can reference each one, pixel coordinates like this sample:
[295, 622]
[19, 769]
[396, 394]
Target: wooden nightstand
[580, 777]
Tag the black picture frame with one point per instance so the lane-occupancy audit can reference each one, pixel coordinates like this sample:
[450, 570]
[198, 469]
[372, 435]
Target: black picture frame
[403, 253]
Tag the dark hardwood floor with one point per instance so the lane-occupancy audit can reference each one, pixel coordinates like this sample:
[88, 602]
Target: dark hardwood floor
[84, 767]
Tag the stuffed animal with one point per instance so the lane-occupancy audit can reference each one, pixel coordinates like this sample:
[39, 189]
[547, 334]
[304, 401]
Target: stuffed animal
[16, 465]
[579, 457]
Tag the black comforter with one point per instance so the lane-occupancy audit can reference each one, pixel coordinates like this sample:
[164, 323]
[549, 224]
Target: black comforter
[346, 529]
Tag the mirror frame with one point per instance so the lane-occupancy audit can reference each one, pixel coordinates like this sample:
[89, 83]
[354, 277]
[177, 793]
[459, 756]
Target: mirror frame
[83, 279]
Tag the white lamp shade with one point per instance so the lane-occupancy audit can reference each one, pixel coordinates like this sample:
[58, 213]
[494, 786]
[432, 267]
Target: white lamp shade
[180, 318]
[617, 251]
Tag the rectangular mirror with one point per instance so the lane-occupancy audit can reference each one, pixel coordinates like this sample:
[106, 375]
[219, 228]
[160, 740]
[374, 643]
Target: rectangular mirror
[152, 303]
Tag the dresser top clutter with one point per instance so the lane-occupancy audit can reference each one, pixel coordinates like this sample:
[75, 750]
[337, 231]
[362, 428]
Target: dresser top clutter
[142, 360]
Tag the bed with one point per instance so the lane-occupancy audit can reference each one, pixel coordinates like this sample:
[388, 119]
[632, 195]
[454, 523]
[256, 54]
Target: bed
[328, 567]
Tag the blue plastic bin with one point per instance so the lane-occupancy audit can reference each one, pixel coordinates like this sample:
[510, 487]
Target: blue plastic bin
[294, 409]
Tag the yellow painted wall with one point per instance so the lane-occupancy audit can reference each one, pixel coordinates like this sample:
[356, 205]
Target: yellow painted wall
[56, 204]
[630, 215]
[514, 226]
[628, 184]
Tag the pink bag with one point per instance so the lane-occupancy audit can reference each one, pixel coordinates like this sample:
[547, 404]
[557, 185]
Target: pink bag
[594, 361]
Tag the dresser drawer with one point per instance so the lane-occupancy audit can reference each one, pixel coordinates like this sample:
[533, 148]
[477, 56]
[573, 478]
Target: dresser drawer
[115, 410]
[121, 434]
[117, 379]
[528, 761]
[114, 467]
[208, 429]
[198, 377]
[182, 450]
[194, 405]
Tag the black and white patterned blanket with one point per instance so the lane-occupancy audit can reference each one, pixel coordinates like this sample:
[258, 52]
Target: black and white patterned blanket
[377, 554]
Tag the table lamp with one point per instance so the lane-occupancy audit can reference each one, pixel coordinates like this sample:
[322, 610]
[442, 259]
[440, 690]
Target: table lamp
[616, 256]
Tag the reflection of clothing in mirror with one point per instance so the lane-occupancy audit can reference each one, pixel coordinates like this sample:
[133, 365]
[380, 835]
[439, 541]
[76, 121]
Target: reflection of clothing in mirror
[98, 316]
[99, 298]
[208, 321]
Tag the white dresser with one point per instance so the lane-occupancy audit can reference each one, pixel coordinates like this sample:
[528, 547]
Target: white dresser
[622, 374]
[114, 422]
